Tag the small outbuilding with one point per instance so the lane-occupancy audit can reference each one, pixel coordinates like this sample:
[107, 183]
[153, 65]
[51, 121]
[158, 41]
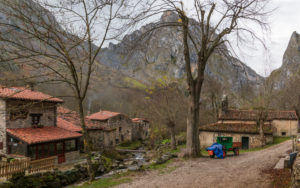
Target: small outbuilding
[246, 133]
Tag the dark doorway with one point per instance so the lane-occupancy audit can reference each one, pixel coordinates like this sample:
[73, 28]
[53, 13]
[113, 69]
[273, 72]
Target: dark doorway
[245, 142]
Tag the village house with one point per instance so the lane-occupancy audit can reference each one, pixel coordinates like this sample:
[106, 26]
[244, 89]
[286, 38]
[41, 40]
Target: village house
[122, 124]
[29, 126]
[140, 128]
[101, 137]
[242, 126]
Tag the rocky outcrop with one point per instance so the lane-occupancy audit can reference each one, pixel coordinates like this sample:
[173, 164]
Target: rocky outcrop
[149, 56]
[290, 63]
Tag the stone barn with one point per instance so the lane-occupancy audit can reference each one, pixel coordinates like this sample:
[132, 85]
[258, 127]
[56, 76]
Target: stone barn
[101, 136]
[284, 123]
[246, 133]
[141, 128]
[114, 120]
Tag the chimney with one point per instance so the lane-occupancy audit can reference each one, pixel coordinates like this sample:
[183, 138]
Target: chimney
[30, 85]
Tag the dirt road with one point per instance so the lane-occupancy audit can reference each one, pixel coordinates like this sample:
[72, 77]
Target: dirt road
[233, 171]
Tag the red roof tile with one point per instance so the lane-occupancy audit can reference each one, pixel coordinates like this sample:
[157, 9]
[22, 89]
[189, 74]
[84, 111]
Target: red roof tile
[68, 115]
[67, 125]
[137, 120]
[252, 115]
[73, 117]
[45, 134]
[250, 128]
[103, 115]
[26, 94]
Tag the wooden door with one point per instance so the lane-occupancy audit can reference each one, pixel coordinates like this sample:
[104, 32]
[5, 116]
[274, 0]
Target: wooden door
[60, 150]
[245, 142]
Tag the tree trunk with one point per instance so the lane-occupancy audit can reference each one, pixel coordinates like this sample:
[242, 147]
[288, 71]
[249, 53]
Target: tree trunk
[173, 138]
[86, 141]
[261, 133]
[192, 136]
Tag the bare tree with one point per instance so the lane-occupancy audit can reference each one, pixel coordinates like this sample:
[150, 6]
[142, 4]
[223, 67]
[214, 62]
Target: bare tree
[215, 20]
[61, 48]
[167, 105]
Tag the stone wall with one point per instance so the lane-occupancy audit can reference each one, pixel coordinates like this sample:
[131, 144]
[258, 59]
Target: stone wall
[289, 127]
[48, 111]
[72, 156]
[208, 138]
[97, 138]
[3, 126]
[140, 130]
[296, 173]
[123, 126]
[109, 138]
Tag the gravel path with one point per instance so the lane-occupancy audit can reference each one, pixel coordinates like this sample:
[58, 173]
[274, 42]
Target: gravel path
[233, 171]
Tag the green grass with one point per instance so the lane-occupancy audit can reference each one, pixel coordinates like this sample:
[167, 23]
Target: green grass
[116, 179]
[130, 145]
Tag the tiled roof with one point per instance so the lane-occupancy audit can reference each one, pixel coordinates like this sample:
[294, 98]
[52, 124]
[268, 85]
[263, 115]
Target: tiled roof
[67, 125]
[73, 117]
[45, 134]
[68, 115]
[252, 115]
[137, 120]
[250, 128]
[26, 94]
[103, 115]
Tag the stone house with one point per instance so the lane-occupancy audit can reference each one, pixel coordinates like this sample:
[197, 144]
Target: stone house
[140, 128]
[28, 126]
[246, 133]
[113, 121]
[284, 123]
[242, 126]
[101, 137]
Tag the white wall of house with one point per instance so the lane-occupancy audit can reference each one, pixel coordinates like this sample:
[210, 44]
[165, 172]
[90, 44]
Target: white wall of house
[208, 138]
[285, 127]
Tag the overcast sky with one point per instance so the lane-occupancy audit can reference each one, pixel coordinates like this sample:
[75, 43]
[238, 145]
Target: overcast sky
[284, 21]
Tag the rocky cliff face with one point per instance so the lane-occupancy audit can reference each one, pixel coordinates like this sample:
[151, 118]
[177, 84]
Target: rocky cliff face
[290, 64]
[160, 54]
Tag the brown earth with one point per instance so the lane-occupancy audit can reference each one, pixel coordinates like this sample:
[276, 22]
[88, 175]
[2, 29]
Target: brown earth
[243, 171]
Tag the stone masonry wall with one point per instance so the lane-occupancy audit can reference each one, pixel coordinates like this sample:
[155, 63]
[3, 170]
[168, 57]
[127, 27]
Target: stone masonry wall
[47, 109]
[3, 126]
[123, 126]
[208, 138]
[296, 173]
[97, 138]
[72, 156]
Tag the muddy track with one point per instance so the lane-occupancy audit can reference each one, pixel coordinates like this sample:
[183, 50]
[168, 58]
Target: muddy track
[233, 171]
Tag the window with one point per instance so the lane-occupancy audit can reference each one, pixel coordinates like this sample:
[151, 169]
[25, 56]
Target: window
[70, 145]
[117, 141]
[120, 129]
[283, 133]
[1, 145]
[36, 118]
[52, 149]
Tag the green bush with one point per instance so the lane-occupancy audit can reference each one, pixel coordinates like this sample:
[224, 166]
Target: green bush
[166, 141]
[54, 179]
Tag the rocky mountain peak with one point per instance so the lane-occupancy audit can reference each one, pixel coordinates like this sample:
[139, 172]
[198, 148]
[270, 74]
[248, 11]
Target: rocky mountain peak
[169, 16]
